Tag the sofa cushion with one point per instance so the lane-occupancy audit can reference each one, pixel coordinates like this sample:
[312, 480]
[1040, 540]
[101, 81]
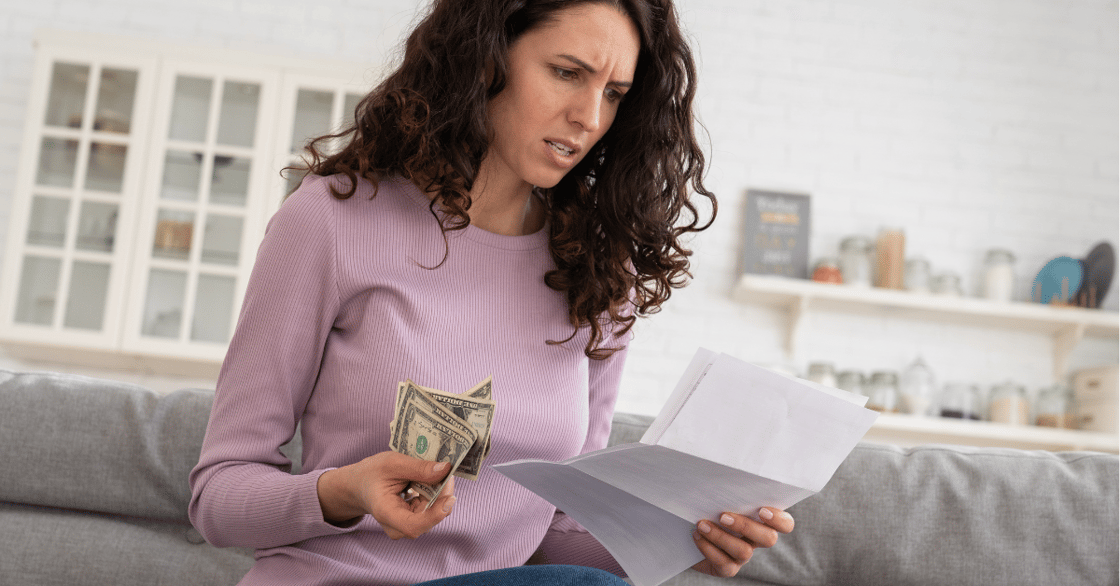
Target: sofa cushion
[43, 546]
[956, 516]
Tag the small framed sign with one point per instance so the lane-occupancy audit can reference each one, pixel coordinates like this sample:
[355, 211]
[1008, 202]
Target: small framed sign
[777, 234]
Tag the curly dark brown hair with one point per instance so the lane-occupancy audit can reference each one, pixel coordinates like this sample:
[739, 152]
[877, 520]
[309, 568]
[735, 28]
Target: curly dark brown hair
[616, 219]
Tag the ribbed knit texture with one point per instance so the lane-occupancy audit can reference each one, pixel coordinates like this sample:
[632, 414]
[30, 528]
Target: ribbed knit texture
[343, 302]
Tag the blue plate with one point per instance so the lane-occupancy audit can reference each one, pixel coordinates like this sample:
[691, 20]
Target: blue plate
[1059, 280]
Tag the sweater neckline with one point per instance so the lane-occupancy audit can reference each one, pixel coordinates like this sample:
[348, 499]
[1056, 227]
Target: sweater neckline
[533, 241]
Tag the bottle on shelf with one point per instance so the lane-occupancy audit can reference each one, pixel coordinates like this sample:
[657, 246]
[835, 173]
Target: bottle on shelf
[822, 373]
[855, 261]
[882, 392]
[960, 400]
[851, 381]
[919, 390]
[1009, 404]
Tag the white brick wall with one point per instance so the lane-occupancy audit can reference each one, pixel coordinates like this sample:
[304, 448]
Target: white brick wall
[972, 124]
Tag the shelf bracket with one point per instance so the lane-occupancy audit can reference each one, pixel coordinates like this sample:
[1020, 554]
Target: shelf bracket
[1064, 342]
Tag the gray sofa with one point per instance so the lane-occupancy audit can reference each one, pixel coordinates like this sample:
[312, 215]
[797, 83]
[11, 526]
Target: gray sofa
[93, 490]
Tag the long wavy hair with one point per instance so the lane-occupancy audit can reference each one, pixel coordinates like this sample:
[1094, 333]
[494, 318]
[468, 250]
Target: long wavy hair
[616, 220]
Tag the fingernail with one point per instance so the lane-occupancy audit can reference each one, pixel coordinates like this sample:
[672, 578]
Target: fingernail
[447, 505]
[704, 527]
[766, 514]
[726, 519]
[440, 467]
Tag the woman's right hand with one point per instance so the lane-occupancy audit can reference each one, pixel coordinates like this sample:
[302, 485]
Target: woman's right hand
[374, 485]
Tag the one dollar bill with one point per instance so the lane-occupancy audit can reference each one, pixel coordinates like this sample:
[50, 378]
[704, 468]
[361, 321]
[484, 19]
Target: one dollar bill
[445, 427]
[425, 430]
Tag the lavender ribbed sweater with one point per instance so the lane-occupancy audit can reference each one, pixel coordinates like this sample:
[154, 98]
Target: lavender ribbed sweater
[339, 308]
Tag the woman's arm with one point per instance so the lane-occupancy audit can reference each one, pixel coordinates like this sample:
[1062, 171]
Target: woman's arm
[242, 491]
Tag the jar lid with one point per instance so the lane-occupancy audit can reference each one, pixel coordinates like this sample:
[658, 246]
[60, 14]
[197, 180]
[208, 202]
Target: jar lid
[856, 242]
[999, 255]
[884, 376]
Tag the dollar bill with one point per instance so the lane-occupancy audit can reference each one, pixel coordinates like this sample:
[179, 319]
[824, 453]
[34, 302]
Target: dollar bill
[477, 412]
[424, 429]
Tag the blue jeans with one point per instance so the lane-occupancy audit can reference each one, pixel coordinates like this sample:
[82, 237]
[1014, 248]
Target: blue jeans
[554, 575]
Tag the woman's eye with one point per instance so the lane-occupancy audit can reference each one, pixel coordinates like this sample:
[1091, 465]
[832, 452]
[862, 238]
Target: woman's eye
[614, 95]
[565, 74]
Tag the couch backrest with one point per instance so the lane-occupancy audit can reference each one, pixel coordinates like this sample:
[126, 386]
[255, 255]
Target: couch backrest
[955, 516]
[84, 443]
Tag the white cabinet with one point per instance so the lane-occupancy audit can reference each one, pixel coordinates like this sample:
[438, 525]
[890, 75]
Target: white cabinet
[1066, 325]
[147, 174]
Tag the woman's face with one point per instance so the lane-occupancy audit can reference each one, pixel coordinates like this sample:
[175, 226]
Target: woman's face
[566, 80]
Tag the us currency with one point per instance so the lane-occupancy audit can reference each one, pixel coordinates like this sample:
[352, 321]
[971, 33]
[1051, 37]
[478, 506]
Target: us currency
[477, 409]
[424, 429]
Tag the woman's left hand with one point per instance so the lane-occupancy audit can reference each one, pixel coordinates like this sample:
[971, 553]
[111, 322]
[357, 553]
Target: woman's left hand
[727, 553]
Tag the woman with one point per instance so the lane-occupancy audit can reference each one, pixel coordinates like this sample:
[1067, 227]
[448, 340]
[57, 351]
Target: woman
[506, 203]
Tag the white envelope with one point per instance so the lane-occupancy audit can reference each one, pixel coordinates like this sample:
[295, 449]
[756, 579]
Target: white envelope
[731, 437]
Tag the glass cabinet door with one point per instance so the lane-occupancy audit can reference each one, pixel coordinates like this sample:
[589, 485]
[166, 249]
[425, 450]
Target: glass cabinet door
[66, 258]
[311, 107]
[196, 225]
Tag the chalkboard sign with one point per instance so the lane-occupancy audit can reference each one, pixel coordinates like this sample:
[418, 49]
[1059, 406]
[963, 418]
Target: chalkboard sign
[777, 234]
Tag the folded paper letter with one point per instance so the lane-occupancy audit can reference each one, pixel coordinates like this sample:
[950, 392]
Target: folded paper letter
[731, 437]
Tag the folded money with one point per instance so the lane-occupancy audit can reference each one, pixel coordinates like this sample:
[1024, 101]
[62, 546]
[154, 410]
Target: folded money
[443, 427]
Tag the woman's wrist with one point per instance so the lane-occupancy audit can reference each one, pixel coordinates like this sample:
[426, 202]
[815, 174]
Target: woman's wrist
[336, 498]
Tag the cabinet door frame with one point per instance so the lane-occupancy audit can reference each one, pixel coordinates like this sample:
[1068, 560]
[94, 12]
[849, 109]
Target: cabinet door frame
[182, 346]
[36, 129]
[339, 83]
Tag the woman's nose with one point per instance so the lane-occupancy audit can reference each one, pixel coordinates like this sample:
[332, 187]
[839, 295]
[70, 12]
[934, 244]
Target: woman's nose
[587, 110]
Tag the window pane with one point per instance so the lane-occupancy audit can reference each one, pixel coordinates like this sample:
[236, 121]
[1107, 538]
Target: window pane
[106, 167]
[222, 242]
[47, 224]
[230, 184]
[312, 118]
[97, 226]
[181, 175]
[190, 108]
[174, 230]
[67, 96]
[57, 160]
[89, 287]
[38, 286]
[237, 124]
[213, 309]
[115, 96]
[163, 310]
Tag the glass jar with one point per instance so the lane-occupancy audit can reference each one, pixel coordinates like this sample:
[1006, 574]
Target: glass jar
[822, 373]
[946, 284]
[827, 270]
[961, 401]
[851, 381]
[917, 275]
[890, 259]
[882, 391]
[855, 261]
[1009, 404]
[1054, 408]
[918, 389]
[999, 275]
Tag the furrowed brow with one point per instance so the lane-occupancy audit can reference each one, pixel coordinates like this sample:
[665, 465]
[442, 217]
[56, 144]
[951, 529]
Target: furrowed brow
[586, 66]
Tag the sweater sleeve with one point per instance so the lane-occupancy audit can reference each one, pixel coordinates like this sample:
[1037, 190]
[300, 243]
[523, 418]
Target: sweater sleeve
[566, 541]
[242, 493]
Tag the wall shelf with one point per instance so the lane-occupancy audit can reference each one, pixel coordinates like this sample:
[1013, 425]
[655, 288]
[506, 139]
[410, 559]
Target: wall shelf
[908, 430]
[1066, 324]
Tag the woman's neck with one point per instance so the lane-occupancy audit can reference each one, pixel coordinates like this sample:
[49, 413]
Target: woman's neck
[507, 208]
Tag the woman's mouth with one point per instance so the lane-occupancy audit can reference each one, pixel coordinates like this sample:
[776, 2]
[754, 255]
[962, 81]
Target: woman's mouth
[560, 149]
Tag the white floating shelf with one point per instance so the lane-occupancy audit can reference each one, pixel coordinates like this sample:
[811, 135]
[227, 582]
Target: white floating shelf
[908, 430]
[797, 296]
